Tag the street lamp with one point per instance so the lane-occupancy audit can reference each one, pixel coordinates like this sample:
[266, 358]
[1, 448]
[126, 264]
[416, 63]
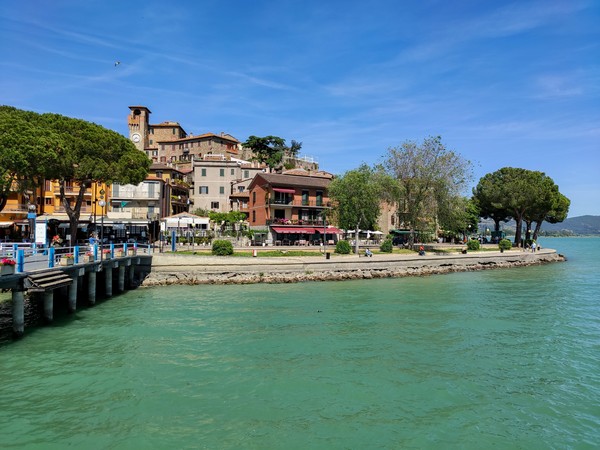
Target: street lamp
[325, 233]
[31, 210]
[102, 203]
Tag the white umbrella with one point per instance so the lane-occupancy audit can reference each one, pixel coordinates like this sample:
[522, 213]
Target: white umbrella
[377, 232]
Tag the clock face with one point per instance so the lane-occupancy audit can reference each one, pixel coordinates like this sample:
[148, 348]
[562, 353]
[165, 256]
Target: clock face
[135, 137]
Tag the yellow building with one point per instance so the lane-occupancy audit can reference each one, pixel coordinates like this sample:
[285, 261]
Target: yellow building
[14, 222]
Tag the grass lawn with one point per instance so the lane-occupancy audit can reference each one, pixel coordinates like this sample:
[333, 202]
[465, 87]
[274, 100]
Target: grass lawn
[272, 253]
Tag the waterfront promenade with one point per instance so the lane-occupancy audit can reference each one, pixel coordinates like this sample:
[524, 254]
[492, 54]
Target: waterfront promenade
[174, 268]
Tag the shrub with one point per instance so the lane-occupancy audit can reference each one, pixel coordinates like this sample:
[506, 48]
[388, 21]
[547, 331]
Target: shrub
[343, 247]
[473, 244]
[222, 248]
[387, 246]
[504, 244]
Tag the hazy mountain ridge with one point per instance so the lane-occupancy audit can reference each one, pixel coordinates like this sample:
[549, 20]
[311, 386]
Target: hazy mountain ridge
[577, 225]
[580, 225]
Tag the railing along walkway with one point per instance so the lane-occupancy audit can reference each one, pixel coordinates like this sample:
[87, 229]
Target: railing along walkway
[29, 256]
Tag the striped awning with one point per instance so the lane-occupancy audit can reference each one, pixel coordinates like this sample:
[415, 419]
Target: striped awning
[329, 230]
[294, 230]
[285, 190]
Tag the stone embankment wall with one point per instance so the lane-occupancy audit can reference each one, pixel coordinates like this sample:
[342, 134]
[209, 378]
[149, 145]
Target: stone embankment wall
[170, 269]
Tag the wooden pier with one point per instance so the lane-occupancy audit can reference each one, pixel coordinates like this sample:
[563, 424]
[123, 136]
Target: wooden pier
[81, 279]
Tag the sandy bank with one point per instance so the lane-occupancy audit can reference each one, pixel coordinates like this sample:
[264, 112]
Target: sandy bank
[173, 268]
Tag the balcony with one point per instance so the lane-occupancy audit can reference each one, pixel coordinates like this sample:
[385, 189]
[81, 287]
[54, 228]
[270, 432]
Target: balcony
[20, 208]
[179, 199]
[70, 190]
[84, 210]
[299, 203]
[295, 222]
[130, 213]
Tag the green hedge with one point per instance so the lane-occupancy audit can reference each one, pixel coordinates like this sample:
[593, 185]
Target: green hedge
[222, 248]
[504, 244]
[343, 247]
[387, 246]
[473, 244]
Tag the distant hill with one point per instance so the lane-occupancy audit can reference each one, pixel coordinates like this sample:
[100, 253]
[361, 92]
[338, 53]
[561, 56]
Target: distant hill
[575, 225]
[581, 225]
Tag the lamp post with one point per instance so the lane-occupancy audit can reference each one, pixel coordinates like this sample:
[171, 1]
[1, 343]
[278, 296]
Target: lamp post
[31, 210]
[95, 204]
[102, 203]
[324, 233]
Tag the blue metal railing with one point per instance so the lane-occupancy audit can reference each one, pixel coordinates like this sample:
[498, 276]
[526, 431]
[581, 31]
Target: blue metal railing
[32, 256]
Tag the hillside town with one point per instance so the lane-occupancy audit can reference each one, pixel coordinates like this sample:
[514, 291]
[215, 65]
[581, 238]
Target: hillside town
[189, 173]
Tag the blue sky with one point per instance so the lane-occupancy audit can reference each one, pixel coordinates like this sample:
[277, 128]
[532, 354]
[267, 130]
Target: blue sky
[504, 83]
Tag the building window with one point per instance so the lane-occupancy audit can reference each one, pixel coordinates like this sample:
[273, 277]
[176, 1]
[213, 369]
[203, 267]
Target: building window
[253, 216]
[232, 171]
[253, 198]
[246, 174]
[222, 172]
[304, 198]
[174, 130]
[241, 188]
[214, 205]
[150, 141]
[319, 198]
[203, 172]
[203, 190]
[48, 201]
[221, 189]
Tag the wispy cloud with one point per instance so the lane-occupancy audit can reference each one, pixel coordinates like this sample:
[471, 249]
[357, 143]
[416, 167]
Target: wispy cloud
[557, 86]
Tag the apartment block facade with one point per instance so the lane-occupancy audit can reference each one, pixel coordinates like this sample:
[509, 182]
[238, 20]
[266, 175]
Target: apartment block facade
[290, 208]
[217, 178]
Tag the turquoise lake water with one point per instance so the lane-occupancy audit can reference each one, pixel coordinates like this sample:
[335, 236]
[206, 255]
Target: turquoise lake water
[502, 359]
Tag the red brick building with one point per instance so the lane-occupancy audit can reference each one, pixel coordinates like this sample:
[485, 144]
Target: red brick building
[289, 208]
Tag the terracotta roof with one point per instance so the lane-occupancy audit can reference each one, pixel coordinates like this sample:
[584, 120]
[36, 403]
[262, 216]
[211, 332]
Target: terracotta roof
[140, 107]
[279, 179]
[227, 137]
[166, 124]
[308, 173]
[161, 166]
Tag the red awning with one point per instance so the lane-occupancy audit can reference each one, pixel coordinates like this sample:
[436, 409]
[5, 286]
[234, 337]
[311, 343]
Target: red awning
[330, 230]
[285, 191]
[292, 230]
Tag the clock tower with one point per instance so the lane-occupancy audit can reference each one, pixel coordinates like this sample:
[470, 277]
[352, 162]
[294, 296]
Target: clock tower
[138, 121]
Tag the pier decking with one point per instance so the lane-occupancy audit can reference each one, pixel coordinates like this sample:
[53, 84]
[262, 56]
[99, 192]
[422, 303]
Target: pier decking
[40, 272]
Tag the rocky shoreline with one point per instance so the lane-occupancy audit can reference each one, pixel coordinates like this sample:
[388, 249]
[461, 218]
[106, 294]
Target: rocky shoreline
[174, 269]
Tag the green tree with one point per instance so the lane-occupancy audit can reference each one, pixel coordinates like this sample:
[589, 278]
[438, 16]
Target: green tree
[201, 212]
[459, 216]
[554, 210]
[271, 150]
[25, 152]
[89, 153]
[424, 178]
[525, 195]
[50, 146]
[356, 199]
[490, 200]
[222, 218]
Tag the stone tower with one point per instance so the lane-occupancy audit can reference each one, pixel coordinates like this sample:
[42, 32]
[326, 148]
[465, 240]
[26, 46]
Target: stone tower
[138, 121]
